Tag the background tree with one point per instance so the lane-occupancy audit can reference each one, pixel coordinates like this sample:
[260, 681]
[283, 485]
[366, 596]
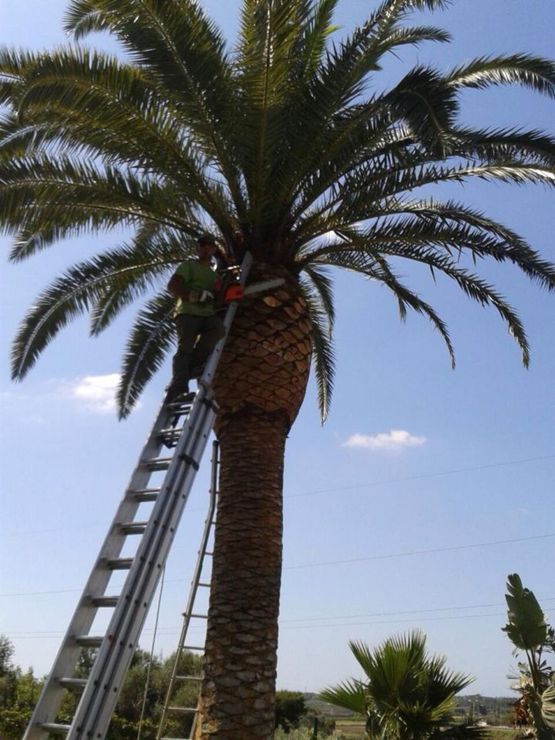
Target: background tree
[146, 674]
[18, 693]
[406, 694]
[290, 707]
[279, 149]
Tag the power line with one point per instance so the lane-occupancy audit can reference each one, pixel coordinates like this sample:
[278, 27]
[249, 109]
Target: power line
[367, 615]
[422, 476]
[41, 593]
[410, 553]
[404, 612]
[321, 491]
[387, 556]
[169, 631]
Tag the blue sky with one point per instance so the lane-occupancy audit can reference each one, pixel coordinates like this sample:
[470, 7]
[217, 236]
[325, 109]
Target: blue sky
[415, 523]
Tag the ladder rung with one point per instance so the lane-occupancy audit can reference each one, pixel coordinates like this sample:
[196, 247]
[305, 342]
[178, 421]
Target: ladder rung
[185, 710]
[175, 405]
[133, 527]
[192, 647]
[188, 678]
[158, 463]
[145, 494]
[73, 683]
[204, 585]
[119, 563]
[195, 616]
[89, 641]
[55, 727]
[104, 600]
[171, 432]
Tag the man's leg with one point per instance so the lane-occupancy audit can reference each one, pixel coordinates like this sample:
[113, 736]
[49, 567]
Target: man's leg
[211, 331]
[187, 328]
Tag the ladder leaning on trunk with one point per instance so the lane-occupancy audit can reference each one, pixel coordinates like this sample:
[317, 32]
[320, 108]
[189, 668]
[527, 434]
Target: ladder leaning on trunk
[115, 648]
[192, 614]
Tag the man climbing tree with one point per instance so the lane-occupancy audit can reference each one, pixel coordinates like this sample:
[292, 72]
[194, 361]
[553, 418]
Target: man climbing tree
[198, 326]
[279, 149]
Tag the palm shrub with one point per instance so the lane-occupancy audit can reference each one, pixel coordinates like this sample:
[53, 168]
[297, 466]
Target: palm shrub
[405, 694]
[531, 635]
[278, 148]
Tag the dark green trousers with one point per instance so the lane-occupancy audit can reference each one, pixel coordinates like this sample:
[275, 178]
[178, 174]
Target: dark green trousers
[196, 338]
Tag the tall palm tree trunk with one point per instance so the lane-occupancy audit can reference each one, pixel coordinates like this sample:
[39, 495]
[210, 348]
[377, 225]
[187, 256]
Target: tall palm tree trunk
[260, 387]
[241, 643]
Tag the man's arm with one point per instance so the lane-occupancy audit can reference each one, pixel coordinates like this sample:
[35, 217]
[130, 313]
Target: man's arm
[177, 287]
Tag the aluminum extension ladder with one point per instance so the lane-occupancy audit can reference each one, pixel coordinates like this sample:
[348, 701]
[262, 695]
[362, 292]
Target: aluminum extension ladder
[117, 646]
[191, 614]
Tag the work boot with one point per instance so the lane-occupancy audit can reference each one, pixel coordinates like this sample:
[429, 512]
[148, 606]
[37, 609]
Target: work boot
[178, 392]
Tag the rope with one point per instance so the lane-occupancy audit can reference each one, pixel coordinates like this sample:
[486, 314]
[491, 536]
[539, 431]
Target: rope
[151, 660]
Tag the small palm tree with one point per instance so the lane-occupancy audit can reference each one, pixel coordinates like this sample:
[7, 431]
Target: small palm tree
[279, 149]
[405, 695]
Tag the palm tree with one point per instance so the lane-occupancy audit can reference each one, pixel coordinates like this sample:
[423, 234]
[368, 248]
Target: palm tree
[277, 148]
[405, 695]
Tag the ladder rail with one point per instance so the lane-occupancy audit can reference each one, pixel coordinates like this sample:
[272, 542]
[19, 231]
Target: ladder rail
[197, 573]
[100, 696]
[85, 612]
[116, 649]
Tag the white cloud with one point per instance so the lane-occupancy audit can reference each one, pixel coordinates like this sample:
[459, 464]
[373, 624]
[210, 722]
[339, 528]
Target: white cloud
[396, 439]
[97, 393]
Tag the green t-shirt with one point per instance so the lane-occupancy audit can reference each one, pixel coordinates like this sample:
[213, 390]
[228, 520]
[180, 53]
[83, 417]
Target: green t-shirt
[197, 278]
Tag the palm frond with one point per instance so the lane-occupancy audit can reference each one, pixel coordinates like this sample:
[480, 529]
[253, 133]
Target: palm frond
[46, 198]
[268, 77]
[390, 13]
[312, 45]
[323, 284]
[452, 227]
[131, 269]
[13, 66]
[369, 185]
[521, 69]
[74, 293]
[502, 144]
[149, 342]
[377, 268]
[413, 36]
[91, 105]
[320, 309]
[427, 105]
[84, 17]
[184, 51]
[368, 247]
[348, 694]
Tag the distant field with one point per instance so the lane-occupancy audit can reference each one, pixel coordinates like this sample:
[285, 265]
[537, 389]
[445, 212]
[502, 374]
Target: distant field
[350, 729]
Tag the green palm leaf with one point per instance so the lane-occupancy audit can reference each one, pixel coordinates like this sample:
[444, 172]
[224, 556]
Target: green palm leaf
[319, 300]
[522, 69]
[526, 627]
[149, 342]
[124, 272]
